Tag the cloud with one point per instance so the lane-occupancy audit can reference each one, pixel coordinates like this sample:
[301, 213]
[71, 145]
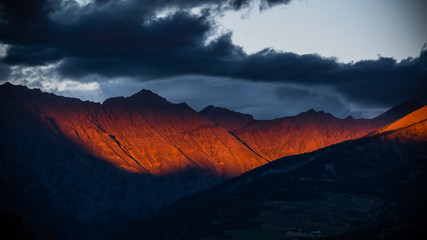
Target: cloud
[42, 32]
[128, 40]
[264, 100]
[47, 79]
[4, 72]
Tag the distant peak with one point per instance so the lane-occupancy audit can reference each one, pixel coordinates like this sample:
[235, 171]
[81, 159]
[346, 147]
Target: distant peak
[143, 97]
[7, 84]
[409, 104]
[226, 118]
[212, 110]
[144, 93]
[113, 100]
[415, 117]
[399, 111]
[313, 112]
[9, 90]
[207, 109]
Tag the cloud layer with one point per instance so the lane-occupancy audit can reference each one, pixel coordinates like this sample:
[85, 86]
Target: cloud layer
[127, 39]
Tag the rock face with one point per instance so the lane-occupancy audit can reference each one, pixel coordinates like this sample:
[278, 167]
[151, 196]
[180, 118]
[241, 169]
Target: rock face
[228, 119]
[82, 169]
[144, 134]
[306, 132]
[398, 112]
[368, 188]
[416, 119]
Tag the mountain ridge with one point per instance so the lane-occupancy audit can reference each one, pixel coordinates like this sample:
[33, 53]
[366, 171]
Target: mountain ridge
[368, 188]
[108, 164]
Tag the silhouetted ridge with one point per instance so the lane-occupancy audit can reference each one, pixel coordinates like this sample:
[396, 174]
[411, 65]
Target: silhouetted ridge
[147, 97]
[224, 111]
[399, 111]
[18, 93]
[7, 85]
[226, 118]
[9, 90]
[313, 114]
[141, 98]
[113, 101]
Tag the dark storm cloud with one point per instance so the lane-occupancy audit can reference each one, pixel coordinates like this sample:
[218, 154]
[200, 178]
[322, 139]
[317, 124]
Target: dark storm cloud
[122, 39]
[383, 80]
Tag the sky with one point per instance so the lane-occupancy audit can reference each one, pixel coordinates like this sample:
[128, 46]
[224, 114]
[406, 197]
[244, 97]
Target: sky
[269, 58]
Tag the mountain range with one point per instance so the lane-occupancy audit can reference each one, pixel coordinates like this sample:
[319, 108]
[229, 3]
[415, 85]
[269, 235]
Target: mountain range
[79, 169]
[374, 187]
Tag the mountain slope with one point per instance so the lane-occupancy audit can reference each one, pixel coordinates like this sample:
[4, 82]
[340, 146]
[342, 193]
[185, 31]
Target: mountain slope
[407, 121]
[370, 188]
[306, 132]
[83, 169]
[143, 133]
[226, 118]
[399, 111]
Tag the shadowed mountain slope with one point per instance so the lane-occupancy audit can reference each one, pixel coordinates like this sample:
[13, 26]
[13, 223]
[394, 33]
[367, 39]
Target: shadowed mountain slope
[399, 111]
[303, 133]
[82, 169]
[143, 133]
[407, 121]
[226, 118]
[369, 188]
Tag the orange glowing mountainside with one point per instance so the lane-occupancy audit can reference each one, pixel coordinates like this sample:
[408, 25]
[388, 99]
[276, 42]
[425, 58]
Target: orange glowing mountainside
[369, 188]
[86, 169]
[418, 116]
[303, 133]
[144, 133]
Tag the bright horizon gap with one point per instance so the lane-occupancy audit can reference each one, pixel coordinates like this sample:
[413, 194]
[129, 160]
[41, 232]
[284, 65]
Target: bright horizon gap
[349, 31]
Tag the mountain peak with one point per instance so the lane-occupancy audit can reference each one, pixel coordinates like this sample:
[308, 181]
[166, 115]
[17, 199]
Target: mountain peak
[11, 92]
[7, 84]
[408, 120]
[147, 95]
[208, 109]
[314, 113]
[220, 110]
[143, 97]
[399, 111]
[225, 117]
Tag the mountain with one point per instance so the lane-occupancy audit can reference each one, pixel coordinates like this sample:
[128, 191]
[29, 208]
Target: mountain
[414, 118]
[144, 133]
[398, 111]
[226, 118]
[369, 188]
[80, 169]
[306, 132]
